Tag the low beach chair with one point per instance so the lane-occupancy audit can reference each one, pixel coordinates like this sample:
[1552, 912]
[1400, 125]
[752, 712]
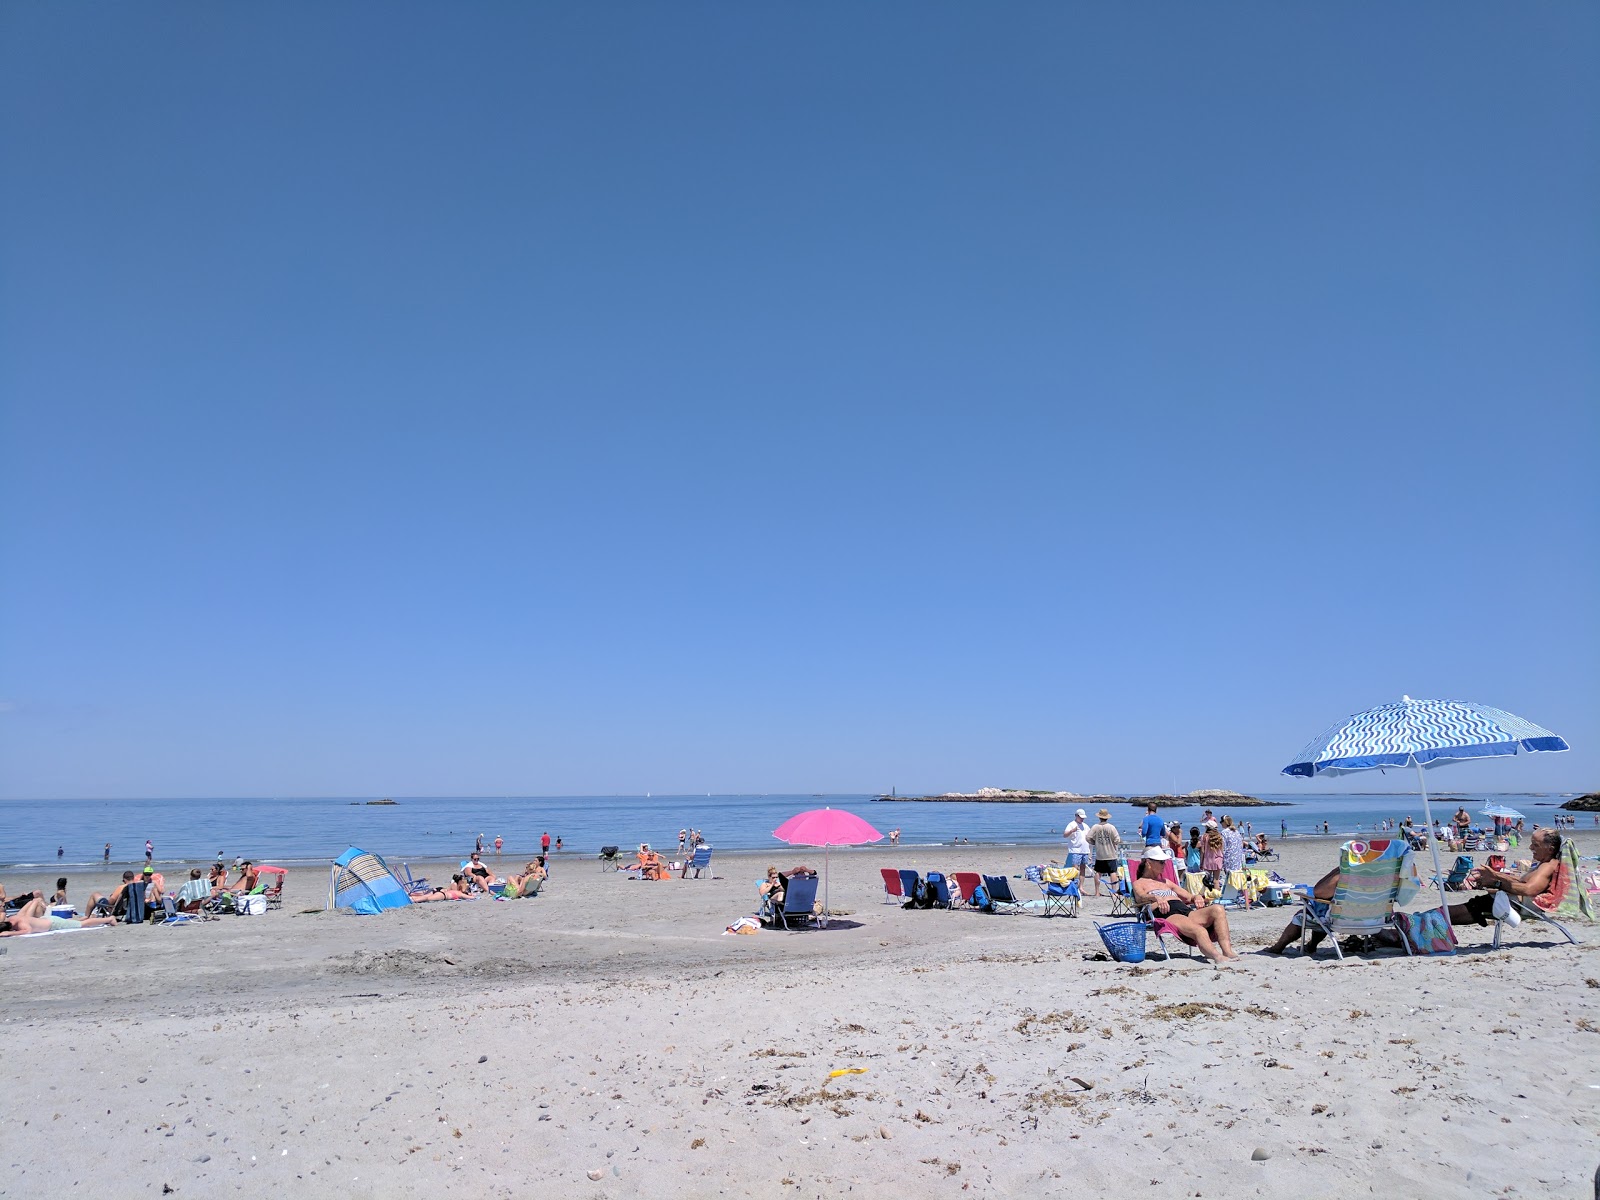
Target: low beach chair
[893, 891]
[941, 888]
[413, 885]
[608, 858]
[1122, 891]
[799, 899]
[910, 884]
[1370, 879]
[1574, 903]
[1456, 881]
[700, 861]
[1001, 897]
[969, 883]
[170, 914]
[274, 891]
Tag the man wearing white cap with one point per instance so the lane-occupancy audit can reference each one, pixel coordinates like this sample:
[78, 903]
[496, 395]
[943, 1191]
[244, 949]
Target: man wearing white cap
[1077, 835]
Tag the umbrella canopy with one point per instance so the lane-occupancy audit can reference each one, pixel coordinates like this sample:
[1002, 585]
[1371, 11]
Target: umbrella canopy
[826, 827]
[1504, 812]
[1421, 734]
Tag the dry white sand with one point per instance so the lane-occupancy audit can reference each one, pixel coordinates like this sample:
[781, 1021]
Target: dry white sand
[606, 1039]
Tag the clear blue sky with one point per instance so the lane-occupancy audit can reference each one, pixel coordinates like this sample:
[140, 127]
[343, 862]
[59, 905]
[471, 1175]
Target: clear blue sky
[443, 399]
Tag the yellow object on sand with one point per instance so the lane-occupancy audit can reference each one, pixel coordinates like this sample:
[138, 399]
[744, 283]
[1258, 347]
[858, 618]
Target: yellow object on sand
[847, 1071]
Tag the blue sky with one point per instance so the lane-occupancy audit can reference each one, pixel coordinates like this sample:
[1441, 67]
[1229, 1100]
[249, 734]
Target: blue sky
[438, 399]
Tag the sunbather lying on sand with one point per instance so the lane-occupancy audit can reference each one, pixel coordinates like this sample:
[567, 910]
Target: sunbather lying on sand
[32, 918]
[456, 891]
[1206, 925]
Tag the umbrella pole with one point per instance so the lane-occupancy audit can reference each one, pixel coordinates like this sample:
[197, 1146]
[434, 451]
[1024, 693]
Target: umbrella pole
[1433, 842]
[824, 886]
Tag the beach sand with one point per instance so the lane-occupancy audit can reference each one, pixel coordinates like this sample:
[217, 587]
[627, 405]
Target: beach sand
[606, 1039]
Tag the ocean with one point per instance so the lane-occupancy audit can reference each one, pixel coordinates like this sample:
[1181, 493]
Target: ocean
[309, 830]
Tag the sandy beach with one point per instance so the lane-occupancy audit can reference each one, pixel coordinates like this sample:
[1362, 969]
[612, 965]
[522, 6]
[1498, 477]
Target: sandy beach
[607, 1038]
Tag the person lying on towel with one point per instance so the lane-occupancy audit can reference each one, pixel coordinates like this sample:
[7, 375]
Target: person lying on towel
[32, 918]
[456, 891]
[1202, 924]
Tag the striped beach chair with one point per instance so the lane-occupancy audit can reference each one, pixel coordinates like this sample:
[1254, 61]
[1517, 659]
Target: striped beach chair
[1370, 879]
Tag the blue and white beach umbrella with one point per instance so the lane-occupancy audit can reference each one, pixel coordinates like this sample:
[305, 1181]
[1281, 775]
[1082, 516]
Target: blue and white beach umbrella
[1421, 734]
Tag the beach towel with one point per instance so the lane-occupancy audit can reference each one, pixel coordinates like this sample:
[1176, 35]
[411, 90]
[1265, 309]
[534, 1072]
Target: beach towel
[1059, 874]
[1566, 898]
[744, 925]
[1426, 932]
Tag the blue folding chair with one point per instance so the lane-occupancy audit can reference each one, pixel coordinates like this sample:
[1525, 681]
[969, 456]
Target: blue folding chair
[1001, 898]
[415, 885]
[700, 862]
[910, 882]
[137, 911]
[941, 889]
[798, 899]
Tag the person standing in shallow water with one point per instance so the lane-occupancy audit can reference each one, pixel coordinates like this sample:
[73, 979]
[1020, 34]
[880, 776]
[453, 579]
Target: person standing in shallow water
[107, 858]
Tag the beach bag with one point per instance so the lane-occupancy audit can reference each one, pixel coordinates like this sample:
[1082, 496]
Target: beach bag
[980, 898]
[251, 906]
[1426, 932]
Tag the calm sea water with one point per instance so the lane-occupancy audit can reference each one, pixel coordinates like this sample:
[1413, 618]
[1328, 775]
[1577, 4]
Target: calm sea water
[316, 830]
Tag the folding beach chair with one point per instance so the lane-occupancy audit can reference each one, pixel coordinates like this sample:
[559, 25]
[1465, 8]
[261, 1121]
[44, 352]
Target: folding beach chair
[608, 858]
[1001, 898]
[893, 891]
[941, 889]
[911, 885]
[1371, 878]
[701, 861]
[273, 891]
[968, 883]
[170, 913]
[1574, 903]
[1122, 904]
[415, 884]
[1059, 888]
[1456, 881]
[1159, 925]
[799, 898]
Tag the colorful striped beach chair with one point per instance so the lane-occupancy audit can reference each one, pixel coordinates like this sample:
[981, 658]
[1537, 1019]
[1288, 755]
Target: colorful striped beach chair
[1370, 882]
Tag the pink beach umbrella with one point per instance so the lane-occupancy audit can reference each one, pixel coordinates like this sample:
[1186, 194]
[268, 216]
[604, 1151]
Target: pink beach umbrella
[826, 827]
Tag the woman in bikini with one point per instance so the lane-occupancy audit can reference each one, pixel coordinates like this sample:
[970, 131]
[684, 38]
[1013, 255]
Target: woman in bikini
[1206, 925]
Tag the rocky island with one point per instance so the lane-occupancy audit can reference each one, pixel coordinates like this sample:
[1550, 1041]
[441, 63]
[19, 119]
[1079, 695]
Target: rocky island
[1214, 797]
[1588, 803]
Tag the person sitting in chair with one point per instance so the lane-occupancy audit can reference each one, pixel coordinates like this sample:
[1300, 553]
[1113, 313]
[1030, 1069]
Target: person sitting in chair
[1202, 924]
[1545, 885]
[478, 873]
[1321, 897]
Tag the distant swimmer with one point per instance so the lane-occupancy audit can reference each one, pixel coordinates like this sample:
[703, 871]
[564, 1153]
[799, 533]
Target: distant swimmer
[108, 852]
[498, 842]
[60, 850]
[149, 849]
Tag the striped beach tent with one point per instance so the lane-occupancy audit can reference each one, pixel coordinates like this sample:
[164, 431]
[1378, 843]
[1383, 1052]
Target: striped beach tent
[1423, 734]
[363, 881]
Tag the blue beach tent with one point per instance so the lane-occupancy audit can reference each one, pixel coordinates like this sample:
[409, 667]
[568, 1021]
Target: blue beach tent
[364, 882]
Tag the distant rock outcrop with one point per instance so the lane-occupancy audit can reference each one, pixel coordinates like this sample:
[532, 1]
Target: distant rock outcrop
[1589, 803]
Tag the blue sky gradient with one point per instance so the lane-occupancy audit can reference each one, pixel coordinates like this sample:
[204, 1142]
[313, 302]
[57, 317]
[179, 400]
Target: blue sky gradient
[434, 399]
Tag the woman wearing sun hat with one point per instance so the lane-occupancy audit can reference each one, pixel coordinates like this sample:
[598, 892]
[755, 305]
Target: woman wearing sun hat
[1104, 843]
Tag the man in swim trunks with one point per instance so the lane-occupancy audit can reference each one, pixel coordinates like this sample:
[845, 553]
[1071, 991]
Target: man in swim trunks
[1104, 844]
[1203, 924]
[1544, 886]
[33, 918]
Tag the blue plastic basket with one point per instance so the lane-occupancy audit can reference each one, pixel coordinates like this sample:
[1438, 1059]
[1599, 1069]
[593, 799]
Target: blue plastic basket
[1124, 939]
